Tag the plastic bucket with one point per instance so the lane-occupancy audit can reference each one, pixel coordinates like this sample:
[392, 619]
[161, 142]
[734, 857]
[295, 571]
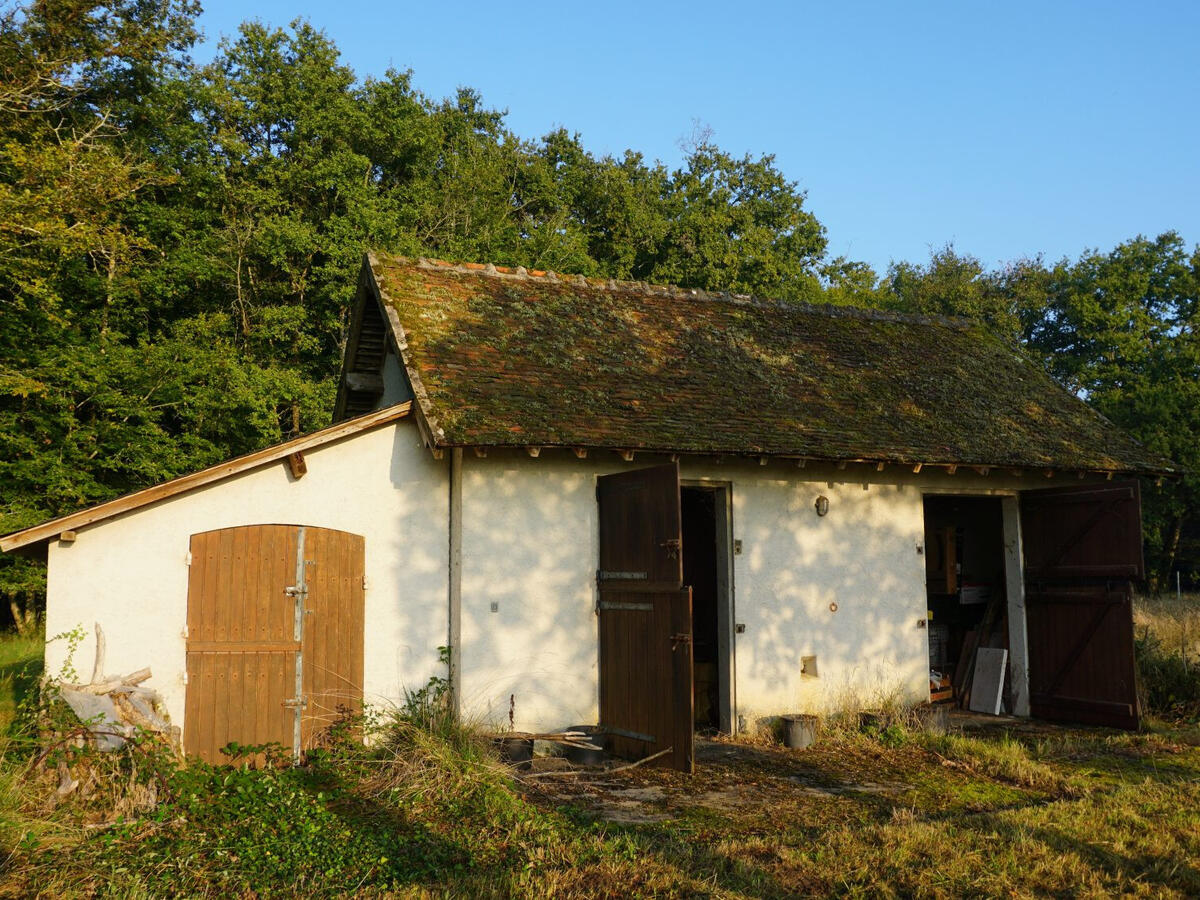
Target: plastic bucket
[516, 752]
[582, 756]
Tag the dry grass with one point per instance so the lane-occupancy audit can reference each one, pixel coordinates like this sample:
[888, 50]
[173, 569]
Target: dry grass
[1081, 812]
[1173, 620]
[886, 812]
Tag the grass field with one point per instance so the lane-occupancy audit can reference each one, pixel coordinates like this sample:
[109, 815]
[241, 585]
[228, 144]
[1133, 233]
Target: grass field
[20, 669]
[994, 808]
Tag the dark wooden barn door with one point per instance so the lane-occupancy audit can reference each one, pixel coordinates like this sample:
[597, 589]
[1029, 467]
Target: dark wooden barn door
[274, 636]
[645, 618]
[1083, 549]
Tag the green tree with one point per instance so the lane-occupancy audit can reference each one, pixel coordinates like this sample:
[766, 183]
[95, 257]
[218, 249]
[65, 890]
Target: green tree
[955, 284]
[1123, 330]
[738, 225]
[67, 184]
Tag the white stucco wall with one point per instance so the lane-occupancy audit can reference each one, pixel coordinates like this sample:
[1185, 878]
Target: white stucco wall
[530, 546]
[130, 573]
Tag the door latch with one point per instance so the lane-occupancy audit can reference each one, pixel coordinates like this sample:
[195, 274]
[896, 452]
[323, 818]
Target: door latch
[672, 546]
[677, 639]
[296, 703]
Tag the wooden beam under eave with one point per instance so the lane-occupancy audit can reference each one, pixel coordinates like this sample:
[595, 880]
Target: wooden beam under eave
[626, 455]
[1049, 473]
[534, 452]
[951, 468]
[68, 537]
[841, 464]
[481, 452]
[297, 465]
[917, 468]
[801, 463]
[580, 452]
[983, 470]
[879, 467]
[763, 460]
[1108, 476]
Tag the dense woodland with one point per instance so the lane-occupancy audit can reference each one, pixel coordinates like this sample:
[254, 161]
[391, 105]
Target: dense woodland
[179, 244]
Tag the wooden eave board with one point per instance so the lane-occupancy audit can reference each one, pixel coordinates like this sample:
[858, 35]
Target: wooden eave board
[219, 472]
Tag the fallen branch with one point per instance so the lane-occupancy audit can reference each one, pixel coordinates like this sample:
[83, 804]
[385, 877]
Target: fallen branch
[105, 687]
[602, 772]
[98, 667]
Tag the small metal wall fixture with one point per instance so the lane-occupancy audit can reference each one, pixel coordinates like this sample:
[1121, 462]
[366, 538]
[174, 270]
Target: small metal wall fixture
[822, 505]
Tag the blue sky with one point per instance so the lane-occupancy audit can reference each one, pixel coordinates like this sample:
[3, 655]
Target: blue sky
[1007, 128]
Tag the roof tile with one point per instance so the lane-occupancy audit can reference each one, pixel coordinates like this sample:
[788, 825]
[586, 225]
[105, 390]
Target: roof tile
[509, 357]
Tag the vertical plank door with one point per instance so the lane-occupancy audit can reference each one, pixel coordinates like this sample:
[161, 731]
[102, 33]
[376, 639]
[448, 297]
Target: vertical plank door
[246, 644]
[1083, 549]
[645, 618]
[333, 631]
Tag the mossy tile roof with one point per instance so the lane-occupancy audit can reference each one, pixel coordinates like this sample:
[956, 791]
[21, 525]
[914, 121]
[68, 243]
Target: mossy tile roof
[509, 358]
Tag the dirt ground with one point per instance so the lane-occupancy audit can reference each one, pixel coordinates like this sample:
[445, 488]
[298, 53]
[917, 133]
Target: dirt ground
[742, 780]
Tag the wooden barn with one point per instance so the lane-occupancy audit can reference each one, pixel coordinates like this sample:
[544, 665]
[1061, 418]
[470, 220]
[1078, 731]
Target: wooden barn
[647, 508]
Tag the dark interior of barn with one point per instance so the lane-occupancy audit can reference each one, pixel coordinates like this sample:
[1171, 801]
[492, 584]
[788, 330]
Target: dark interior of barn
[964, 577]
[699, 526]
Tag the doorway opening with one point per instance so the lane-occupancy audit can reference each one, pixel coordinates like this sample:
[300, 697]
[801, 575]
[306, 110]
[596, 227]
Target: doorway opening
[704, 521]
[965, 587]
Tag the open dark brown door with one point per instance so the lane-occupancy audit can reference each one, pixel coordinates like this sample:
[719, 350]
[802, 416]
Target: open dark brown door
[645, 618]
[1083, 550]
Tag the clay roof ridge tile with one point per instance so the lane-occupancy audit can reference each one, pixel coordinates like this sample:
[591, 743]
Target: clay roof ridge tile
[491, 270]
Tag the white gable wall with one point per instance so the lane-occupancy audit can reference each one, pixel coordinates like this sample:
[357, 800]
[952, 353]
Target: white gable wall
[130, 573]
[530, 546]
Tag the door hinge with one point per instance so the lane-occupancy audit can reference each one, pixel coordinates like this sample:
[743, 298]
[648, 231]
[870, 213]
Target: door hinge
[296, 703]
[187, 558]
[364, 582]
[294, 591]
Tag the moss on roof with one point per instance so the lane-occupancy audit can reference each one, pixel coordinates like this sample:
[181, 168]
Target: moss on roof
[502, 357]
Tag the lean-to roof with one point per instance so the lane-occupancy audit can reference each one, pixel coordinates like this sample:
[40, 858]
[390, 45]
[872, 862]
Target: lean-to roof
[38, 534]
[502, 357]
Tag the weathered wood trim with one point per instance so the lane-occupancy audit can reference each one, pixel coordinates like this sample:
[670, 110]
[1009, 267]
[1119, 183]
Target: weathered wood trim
[219, 472]
[362, 295]
[433, 432]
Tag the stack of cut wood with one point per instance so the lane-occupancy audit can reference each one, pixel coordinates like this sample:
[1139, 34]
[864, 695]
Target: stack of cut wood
[114, 708]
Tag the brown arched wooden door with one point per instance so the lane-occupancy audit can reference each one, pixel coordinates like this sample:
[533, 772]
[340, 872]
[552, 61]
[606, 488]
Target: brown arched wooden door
[274, 636]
